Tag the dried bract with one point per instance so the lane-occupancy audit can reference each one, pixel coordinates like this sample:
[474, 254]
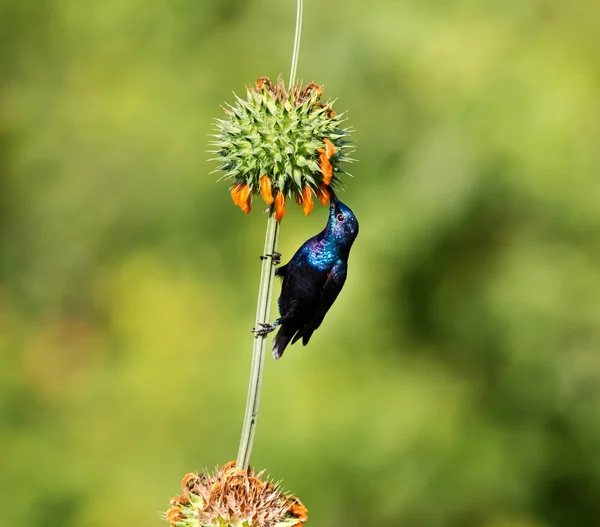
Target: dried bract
[233, 498]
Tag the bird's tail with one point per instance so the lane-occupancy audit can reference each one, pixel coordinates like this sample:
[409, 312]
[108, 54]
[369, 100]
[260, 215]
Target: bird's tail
[280, 342]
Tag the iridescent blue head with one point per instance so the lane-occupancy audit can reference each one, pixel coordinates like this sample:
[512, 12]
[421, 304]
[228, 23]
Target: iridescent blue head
[342, 224]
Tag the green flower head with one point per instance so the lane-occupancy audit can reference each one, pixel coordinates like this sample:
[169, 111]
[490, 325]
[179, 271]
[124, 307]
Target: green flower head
[281, 143]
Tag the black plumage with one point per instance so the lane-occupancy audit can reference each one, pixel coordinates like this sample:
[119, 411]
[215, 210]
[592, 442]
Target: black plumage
[314, 277]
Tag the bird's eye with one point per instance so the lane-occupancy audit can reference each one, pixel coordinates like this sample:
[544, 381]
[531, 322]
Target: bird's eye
[340, 217]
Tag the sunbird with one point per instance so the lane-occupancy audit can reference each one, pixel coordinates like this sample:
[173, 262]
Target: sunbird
[313, 279]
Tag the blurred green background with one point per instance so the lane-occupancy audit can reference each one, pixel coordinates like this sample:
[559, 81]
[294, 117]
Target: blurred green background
[456, 382]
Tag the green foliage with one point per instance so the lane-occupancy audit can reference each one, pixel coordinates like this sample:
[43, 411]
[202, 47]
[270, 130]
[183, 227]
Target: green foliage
[456, 381]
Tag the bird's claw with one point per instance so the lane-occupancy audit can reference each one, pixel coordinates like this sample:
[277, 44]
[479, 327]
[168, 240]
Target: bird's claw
[264, 329]
[275, 258]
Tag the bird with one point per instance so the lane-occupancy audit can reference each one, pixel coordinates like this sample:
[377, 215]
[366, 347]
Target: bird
[313, 279]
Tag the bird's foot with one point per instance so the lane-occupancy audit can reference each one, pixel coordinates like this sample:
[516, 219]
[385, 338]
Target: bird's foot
[264, 329]
[275, 258]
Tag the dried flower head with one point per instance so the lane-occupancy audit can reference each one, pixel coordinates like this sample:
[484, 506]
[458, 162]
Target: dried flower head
[280, 143]
[233, 498]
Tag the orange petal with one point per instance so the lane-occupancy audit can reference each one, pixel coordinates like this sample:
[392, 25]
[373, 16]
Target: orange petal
[299, 199]
[232, 464]
[174, 516]
[188, 481]
[266, 190]
[245, 198]
[279, 206]
[307, 197]
[235, 192]
[297, 509]
[326, 168]
[324, 195]
[329, 148]
[179, 500]
[330, 112]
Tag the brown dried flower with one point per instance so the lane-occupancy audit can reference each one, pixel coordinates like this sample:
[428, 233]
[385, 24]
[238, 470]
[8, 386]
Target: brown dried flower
[234, 498]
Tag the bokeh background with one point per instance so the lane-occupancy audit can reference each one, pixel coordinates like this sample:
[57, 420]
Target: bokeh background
[456, 382]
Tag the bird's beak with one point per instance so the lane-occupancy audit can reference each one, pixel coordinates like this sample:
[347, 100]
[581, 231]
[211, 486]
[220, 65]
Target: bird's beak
[333, 199]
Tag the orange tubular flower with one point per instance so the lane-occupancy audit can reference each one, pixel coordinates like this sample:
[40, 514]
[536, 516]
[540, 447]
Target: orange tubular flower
[174, 516]
[308, 200]
[245, 198]
[279, 206]
[235, 193]
[329, 148]
[265, 189]
[325, 165]
[299, 511]
[324, 195]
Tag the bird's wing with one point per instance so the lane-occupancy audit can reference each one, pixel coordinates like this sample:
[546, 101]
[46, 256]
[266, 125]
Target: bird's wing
[331, 290]
[300, 294]
[301, 287]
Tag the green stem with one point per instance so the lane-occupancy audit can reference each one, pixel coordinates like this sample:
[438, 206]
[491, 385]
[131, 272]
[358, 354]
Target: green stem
[265, 293]
[296, 50]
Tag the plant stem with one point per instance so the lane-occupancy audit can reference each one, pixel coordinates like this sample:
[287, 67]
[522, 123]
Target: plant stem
[296, 50]
[265, 294]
